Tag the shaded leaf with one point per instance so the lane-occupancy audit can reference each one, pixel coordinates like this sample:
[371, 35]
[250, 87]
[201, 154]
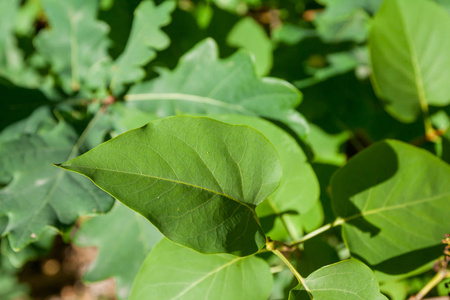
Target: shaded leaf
[145, 37]
[174, 272]
[345, 280]
[409, 45]
[123, 238]
[203, 199]
[393, 199]
[203, 84]
[37, 195]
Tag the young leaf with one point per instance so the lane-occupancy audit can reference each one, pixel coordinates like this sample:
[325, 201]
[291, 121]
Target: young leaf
[409, 48]
[203, 84]
[345, 280]
[196, 179]
[37, 195]
[122, 253]
[145, 37]
[174, 272]
[76, 44]
[299, 189]
[393, 199]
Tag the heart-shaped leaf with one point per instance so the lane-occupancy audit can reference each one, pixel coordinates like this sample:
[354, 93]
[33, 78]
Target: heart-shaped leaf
[196, 179]
[174, 272]
[393, 199]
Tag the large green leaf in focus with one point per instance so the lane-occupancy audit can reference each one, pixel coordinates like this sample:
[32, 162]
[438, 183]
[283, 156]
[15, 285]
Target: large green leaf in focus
[299, 189]
[250, 35]
[35, 195]
[393, 199]
[196, 179]
[174, 272]
[75, 44]
[409, 45]
[122, 253]
[345, 280]
[203, 84]
[145, 37]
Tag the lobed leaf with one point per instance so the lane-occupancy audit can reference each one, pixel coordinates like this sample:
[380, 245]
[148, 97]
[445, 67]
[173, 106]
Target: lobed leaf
[203, 84]
[409, 45]
[345, 280]
[393, 199]
[174, 272]
[196, 179]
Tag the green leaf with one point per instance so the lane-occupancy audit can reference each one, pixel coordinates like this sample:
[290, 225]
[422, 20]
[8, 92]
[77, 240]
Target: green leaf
[145, 37]
[248, 34]
[35, 194]
[121, 254]
[345, 280]
[203, 84]
[345, 20]
[76, 44]
[327, 147]
[237, 6]
[393, 199]
[174, 272]
[196, 179]
[299, 189]
[411, 68]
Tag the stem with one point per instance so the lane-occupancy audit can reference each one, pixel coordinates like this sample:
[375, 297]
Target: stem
[293, 270]
[431, 284]
[318, 231]
[283, 221]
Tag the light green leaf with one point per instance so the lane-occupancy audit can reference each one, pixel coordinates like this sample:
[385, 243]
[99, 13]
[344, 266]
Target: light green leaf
[174, 272]
[236, 6]
[75, 44]
[36, 195]
[205, 198]
[203, 84]
[393, 199]
[248, 34]
[145, 37]
[345, 280]
[123, 239]
[299, 189]
[409, 45]
[327, 147]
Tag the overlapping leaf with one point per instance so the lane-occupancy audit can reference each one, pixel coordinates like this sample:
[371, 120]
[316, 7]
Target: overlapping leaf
[196, 179]
[298, 191]
[174, 272]
[34, 194]
[203, 84]
[145, 37]
[123, 238]
[346, 280]
[409, 47]
[393, 199]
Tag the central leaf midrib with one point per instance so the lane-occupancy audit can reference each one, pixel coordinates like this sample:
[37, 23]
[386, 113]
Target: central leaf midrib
[164, 179]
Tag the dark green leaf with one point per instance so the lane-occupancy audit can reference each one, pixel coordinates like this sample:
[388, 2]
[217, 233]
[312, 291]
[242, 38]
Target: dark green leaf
[196, 179]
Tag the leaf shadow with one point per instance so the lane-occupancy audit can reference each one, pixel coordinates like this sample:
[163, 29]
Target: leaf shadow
[268, 222]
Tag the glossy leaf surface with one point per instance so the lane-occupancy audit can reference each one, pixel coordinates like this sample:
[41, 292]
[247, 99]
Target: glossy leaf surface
[203, 84]
[409, 48]
[174, 272]
[123, 238]
[345, 280]
[203, 198]
[393, 199]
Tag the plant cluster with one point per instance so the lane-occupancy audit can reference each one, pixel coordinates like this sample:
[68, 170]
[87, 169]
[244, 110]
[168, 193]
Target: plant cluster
[204, 178]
